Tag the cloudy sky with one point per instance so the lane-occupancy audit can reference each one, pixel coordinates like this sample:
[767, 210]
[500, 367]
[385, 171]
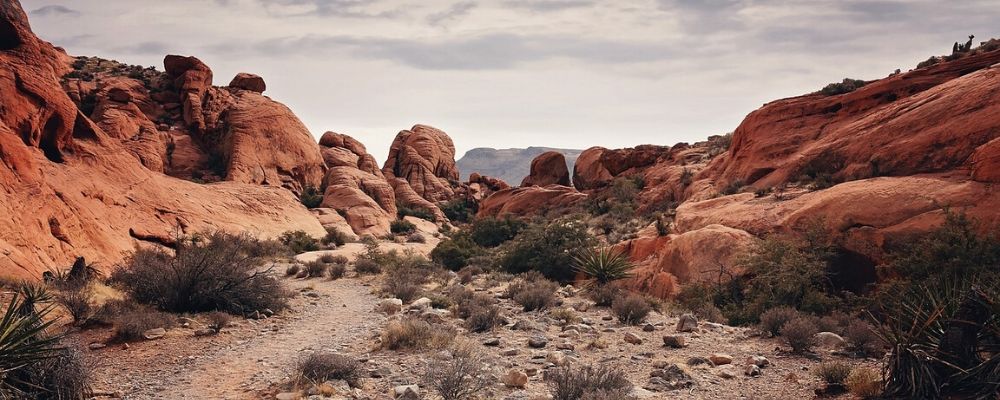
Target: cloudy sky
[517, 73]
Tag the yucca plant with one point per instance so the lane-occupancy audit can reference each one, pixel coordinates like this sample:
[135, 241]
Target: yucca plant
[603, 265]
[945, 341]
[24, 343]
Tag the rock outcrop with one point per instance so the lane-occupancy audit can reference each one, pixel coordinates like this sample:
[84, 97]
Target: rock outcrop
[355, 187]
[530, 201]
[69, 188]
[247, 81]
[549, 168]
[508, 165]
[424, 157]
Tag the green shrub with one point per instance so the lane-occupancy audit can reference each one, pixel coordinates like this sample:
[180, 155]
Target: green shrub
[404, 211]
[459, 210]
[219, 271]
[631, 309]
[846, 86]
[547, 249]
[364, 266]
[603, 265]
[335, 237]
[834, 373]
[456, 251]
[311, 197]
[771, 321]
[402, 227]
[492, 232]
[299, 241]
[315, 269]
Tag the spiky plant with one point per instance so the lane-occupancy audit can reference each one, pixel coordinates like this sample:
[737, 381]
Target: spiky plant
[603, 265]
[945, 341]
[31, 296]
[23, 344]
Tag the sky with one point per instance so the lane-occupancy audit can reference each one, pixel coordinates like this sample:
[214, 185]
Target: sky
[518, 73]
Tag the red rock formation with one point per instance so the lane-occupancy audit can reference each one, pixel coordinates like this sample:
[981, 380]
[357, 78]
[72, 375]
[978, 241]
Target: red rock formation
[531, 200]
[597, 166]
[355, 187]
[986, 162]
[68, 188]
[425, 158]
[549, 168]
[249, 82]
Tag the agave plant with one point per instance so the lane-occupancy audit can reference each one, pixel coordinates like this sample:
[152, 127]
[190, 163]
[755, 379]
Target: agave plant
[23, 343]
[945, 341]
[603, 265]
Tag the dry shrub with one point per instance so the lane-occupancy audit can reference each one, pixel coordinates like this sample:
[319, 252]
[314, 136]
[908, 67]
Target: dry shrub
[467, 274]
[364, 266]
[217, 320]
[834, 372]
[594, 382]
[564, 316]
[218, 271]
[402, 289]
[631, 309]
[862, 338]
[462, 376]
[77, 303]
[771, 321]
[864, 382]
[483, 318]
[332, 259]
[413, 334]
[61, 377]
[315, 269]
[337, 271]
[536, 298]
[439, 300]
[603, 295]
[416, 238]
[293, 270]
[800, 334]
[130, 325]
[323, 366]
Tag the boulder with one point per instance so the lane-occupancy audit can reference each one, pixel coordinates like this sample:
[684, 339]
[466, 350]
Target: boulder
[687, 323]
[528, 201]
[247, 81]
[549, 168]
[515, 379]
[424, 157]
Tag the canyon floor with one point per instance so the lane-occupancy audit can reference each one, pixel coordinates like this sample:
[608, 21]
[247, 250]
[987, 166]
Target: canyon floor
[254, 359]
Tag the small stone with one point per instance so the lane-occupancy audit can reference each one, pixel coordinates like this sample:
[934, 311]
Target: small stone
[632, 338]
[494, 342]
[96, 346]
[390, 306]
[725, 372]
[752, 370]
[720, 359]
[204, 332]
[421, 303]
[759, 361]
[696, 360]
[531, 371]
[406, 392]
[830, 340]
[287, 396]
[565, 346]
[537, 342]
[687, 323]
[648, 328]
[515, 379]
[556, 358]
[674, 341]
[510, 352]
[155, 333]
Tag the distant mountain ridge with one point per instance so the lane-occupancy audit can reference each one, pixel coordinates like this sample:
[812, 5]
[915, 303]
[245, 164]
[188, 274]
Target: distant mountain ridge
[511, 165]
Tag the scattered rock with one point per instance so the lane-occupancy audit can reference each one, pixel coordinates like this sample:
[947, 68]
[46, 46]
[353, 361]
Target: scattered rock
[537, 342]
[421, 303]
[751, 370]
[390, 306]
[830, 340]
[648, 328]
[205, 332]
[406, 392]
[287, 396]
[687, 323]
[493, 342]
[671, 377]
[510, 352]
[565, 346]
[96, 346]
[515, 379]
[155, 333]
[725, 372]
[632, 338]
[759, 361]
[696, 360]
[720, 359]
[674, 341]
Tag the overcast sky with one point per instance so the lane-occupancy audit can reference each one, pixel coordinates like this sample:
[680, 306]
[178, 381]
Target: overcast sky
[518, 73]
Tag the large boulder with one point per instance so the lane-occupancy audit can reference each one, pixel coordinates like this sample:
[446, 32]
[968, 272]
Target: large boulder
[549, 168]
[192, 78]
[425, 158]
[355, 187]
[529, 201]
[247, 81]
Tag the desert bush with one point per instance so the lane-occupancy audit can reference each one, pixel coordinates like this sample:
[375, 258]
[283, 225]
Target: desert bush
[929, 62]
[565, 316]
[535, 298]
[631, 309]
[618, 201]
[402, 227]
[217, 320]
[862, 338]
[834, 372]
[218, 272]
[364, 266]
[799, 334]
[771, 321]
[864, 382]
[315, 269]
[546, 248]
[331, 259]
[293, 269]
[603, 295]
[335, 237]
[404, 211]
[603, 265]
[846, 86]
[130, 325]
[324, 366]
[463, 375]
[571, 382]
[468, 274]
[416, 237]
[459, 210]
[733, 187]
[402, 289]
[311, 197]
[456, 251]
[299, 241]
[77, 303]
[337, 271]
[413, 334]
[491, 232]
[954, 251]
[482, 318]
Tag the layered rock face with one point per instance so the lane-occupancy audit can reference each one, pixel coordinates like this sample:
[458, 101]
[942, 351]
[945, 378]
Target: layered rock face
[549, 168]
[531, 200]
[421, 168]
[71, 186]
[355, 187]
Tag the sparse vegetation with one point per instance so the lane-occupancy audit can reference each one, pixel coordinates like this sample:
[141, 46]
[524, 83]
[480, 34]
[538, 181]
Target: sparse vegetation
[799, 334]
[311, 197]
[299, 241]
[603, 265]
[459, 210]
[402, 227]
[603, 295]
[217, 321]
[547, 249]
[583, 382]
[771, 321]
[491, 232]
[364, 266]
[456, 251]
[335, 237]
[631, 309]
[337, 271]
[864, 382]
[218, 271]
[316, 269]
[834, 372]
[324, 366]
[532, 291]
[846, 86]
[460, 376]
[413, 334]
[404, 211]
[130, 325]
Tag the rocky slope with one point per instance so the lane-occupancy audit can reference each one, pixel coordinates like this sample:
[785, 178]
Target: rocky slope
[509, 165]
[81, 162]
